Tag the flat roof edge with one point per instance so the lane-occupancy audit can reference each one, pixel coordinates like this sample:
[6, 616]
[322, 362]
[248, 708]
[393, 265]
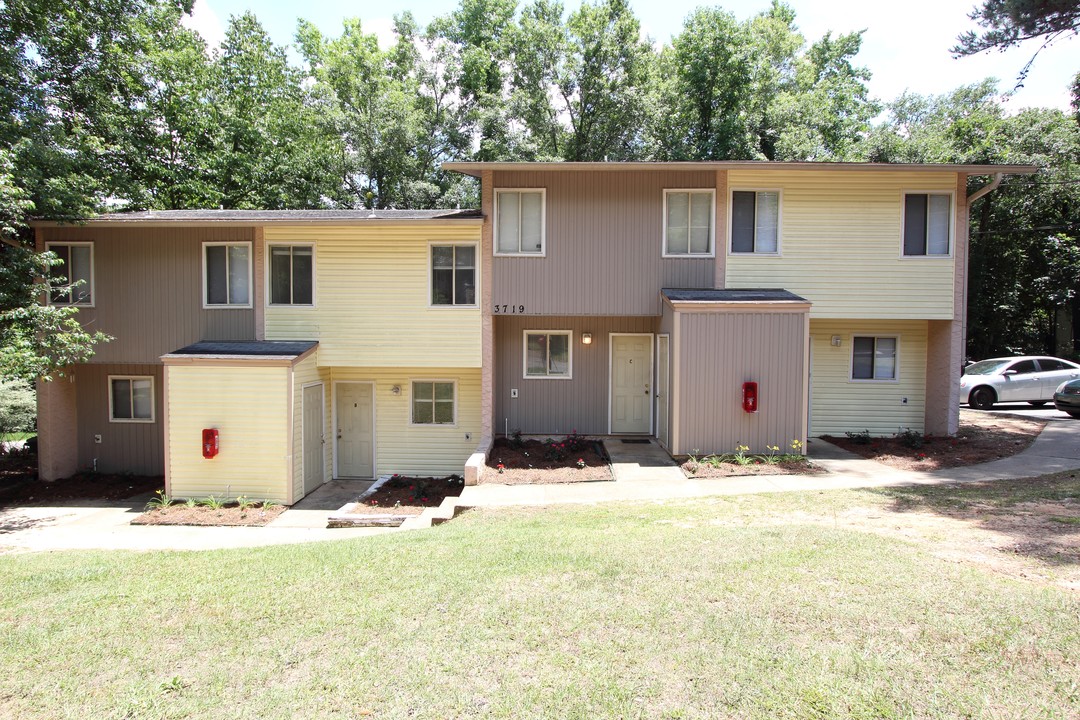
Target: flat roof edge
[475, 168]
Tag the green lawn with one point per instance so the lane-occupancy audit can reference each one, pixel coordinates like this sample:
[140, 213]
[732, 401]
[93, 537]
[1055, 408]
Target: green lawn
[704, 609]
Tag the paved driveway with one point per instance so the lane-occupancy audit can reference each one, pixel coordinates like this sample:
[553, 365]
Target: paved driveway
[1046, 412]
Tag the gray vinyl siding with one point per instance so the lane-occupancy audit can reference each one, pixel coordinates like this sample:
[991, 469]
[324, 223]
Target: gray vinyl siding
[603, 246]
[148, 290]
[551, 407]
[718, 353]
[125, 447]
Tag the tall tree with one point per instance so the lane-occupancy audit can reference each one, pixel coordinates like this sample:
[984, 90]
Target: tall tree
[703, 87]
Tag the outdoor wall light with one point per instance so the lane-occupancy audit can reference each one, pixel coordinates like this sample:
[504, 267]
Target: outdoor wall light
[836, 341]
[396, 390]
[586, 338]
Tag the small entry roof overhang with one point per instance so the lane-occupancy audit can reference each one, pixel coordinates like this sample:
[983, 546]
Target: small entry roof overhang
[734, 299]
[256, 352]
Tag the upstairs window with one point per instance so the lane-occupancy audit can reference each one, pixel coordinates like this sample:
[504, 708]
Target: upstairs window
[873, 358]
[519, 222]
[292, 275]
[131, 398]
[927, 224]
[688, 223]
[227, 274]
[755, 221]
[548, 354]
[76, 267]
[453, 275]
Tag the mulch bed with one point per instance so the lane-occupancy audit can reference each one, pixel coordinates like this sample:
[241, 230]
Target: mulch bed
[981, 438]
[19, 484]
[790, 467]
[403, 495]
[523, 463]
[225, 516]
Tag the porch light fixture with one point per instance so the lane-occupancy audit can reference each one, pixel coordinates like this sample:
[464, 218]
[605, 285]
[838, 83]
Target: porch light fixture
[836, 341]
[395, 390]
[586, 338]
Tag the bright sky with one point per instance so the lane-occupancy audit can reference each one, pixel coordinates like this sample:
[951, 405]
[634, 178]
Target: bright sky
[906, 44]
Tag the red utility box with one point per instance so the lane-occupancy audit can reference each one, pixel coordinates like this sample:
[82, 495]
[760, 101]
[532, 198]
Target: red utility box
[750, 397]
[209, 443]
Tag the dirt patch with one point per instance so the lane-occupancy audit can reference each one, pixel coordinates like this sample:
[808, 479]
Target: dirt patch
[403, 495]
[529, 462]
[700, 469]
[229, 515]
[981, 438]
[19, 484]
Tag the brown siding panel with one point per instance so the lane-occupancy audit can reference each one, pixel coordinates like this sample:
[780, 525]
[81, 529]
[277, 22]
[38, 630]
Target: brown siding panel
[557, 406]
[719, 352]
[603, 245]
[125, 447]
[148, 290]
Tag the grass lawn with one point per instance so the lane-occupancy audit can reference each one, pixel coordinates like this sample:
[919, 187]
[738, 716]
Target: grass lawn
[745, 607]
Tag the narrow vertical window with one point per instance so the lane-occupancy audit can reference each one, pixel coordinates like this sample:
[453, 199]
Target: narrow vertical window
[227, 274]
[519, 227]
[755, 221]
[927, 221]
[688, 222]
[453, 275]
[291, 275]
[76, 268]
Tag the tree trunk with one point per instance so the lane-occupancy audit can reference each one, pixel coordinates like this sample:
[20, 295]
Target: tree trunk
[1063, 331]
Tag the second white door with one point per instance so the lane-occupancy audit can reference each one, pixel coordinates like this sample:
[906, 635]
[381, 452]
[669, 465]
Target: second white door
[355, 430]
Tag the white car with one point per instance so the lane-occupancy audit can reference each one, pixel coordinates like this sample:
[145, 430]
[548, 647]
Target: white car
[1031, 379]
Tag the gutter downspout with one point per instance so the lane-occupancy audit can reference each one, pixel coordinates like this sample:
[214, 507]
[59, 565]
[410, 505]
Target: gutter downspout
[986, 189]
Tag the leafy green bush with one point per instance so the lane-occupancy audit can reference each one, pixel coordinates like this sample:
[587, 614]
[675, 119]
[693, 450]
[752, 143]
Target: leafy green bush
[18, 406]
[859, 438]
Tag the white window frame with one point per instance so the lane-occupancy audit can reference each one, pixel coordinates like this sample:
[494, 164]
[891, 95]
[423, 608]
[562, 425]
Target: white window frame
[711, 253]
[153, 399]
[267, 267]
[525, 354]
[543, 224]
[250, 264]
[952, 224]
[93, 273]
[431, 274]
[779, 221]
[876, 337]
[432, 424]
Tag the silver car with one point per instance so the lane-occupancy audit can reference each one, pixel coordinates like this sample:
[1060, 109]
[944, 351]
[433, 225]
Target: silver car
[1031, 379]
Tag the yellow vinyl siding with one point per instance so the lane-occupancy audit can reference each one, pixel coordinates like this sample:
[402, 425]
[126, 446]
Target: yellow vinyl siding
[250, 408]
[371, 298]
[304, 373]
[416, 449]
[840, 245]
[840, 404]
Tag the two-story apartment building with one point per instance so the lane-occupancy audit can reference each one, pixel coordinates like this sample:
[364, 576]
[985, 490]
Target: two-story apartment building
[702, 304]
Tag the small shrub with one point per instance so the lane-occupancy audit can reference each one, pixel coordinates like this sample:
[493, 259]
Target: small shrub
[859, 438]
[911, 438]
[515, 440]
[244, 504]
[213, 503]
[18, 406]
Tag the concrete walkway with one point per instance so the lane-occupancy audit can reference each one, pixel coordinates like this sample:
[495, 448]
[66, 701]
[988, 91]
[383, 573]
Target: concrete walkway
[642, 473]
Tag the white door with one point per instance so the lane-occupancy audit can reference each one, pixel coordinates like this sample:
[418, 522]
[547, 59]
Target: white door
[631, 373]
[313, 437]
[355, 430]
[663, 391]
